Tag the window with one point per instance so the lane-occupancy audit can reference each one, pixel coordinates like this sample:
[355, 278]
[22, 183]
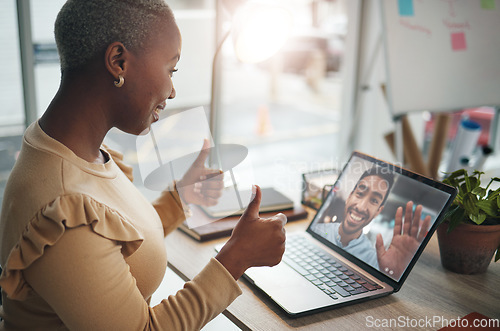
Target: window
[286, 110]
[11, 95]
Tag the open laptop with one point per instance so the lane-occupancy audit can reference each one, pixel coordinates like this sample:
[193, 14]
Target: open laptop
[331, 264]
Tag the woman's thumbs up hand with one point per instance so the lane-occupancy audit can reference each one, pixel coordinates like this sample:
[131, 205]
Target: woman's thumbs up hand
[255, 241]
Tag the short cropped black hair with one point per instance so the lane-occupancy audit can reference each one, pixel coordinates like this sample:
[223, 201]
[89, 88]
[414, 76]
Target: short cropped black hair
[84, 28]
[384, 173]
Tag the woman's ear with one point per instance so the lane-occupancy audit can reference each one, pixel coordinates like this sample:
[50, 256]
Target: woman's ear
[115, 59]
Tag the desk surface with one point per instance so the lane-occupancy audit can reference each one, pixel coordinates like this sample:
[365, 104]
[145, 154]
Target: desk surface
[430, 292]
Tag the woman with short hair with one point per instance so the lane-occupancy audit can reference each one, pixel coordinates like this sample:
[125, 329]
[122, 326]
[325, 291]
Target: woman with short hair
[81, 248]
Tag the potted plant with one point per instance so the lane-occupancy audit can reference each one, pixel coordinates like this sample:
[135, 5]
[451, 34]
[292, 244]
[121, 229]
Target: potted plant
[470, 233]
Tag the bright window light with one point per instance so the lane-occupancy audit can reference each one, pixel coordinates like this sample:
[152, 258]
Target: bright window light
[260, 31]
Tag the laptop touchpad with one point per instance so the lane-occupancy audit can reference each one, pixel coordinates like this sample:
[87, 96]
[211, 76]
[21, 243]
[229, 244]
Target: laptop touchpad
[289, 288]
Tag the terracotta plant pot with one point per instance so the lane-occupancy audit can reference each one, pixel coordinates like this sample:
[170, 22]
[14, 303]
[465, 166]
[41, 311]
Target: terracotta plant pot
[469, 248]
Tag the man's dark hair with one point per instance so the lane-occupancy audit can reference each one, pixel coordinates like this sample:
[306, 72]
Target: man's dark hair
[384, 173]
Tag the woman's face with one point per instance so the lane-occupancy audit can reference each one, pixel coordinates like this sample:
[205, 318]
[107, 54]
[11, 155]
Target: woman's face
[148, 79]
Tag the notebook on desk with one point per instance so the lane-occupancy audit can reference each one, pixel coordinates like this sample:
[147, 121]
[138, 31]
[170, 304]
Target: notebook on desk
[224, 227]
[228, 204]
[335, 261]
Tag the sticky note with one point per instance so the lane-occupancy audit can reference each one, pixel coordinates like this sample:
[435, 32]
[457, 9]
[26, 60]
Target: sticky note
[488, 4]
[406, 8]
[458, 41]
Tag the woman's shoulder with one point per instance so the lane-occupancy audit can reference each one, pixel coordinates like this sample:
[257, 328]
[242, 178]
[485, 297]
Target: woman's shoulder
[42, 176]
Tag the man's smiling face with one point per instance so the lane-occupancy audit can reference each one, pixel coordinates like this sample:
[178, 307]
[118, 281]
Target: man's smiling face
[364, 203]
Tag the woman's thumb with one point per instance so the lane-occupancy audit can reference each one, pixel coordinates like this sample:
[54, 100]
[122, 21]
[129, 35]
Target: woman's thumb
[205, 151]
[252, 210]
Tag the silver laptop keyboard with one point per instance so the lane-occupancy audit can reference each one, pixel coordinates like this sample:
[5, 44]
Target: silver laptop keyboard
[323, 270]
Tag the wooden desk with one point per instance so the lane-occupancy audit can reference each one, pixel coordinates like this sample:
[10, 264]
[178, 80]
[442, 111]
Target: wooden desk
[429, 291]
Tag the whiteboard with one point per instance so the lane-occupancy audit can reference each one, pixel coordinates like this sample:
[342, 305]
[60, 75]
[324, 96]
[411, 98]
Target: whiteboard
[441, 55]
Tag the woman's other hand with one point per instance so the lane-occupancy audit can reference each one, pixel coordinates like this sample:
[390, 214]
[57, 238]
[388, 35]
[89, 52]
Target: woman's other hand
[201, 185]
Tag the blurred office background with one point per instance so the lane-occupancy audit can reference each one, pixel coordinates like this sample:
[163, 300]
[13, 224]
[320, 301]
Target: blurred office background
[296, 112]
[286, 110]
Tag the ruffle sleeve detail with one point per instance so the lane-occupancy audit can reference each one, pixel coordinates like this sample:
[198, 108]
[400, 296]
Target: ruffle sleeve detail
[50, 223]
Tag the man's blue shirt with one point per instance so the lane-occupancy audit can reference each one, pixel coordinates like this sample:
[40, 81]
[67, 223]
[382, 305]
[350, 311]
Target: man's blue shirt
[360, 247]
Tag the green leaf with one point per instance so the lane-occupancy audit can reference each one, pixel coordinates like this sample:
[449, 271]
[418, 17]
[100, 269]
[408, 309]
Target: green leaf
[478, 173]
[478, 218]
[455, 178]
[473, 183]
[467, 183]
[450, 213]
[455, 174]
[463, 190]
[470, 204]
[480, 191]
[490, 207]
[492, 195]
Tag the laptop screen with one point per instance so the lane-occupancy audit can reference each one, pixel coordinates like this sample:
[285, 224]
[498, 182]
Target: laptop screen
[367, 215]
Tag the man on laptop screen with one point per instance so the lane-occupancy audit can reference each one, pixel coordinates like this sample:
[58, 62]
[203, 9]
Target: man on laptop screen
[349, 228]
[363, 241]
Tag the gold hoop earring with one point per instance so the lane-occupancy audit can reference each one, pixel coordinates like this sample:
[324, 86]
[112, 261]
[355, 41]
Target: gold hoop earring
[120, 81]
